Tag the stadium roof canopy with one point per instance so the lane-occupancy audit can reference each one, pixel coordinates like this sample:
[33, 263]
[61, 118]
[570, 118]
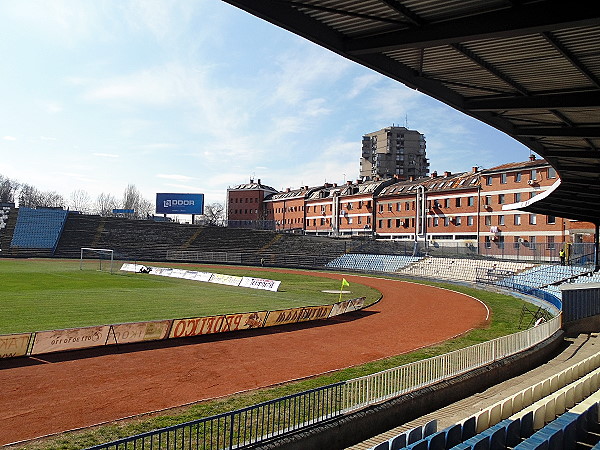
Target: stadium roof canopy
[530, 68]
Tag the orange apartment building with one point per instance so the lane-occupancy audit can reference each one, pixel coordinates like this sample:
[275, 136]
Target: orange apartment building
[475, 209]
[246, 207]
[287, 209]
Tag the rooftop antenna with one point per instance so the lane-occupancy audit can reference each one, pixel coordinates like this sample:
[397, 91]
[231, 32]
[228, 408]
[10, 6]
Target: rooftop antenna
[406, 121]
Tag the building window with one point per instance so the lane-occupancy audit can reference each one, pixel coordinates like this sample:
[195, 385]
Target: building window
[380, 223]
[517, 218]
[458, 202]
[517, 243]
[436, 221]
[380, 208]
[532, 242]
[488, 201]
[517, 197]
[359, 220]
[517, 177]
[488, 221]
[500, 220]
[469, 220]
[551, 220]
[457, 221]
[470, 201]
[349, 206]
[446, 221]
[532, 219]
[550, 243]
[446, 203]
[398, 206]
[533, 174]
[397, 223]
[389, 223]
[488, 242]
[500, 199]
[551, 172]
[349, 220]
[503, 178]
[488, 180]
[390, 206]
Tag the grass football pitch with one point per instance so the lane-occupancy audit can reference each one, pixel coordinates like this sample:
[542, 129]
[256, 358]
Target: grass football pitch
[48, 294]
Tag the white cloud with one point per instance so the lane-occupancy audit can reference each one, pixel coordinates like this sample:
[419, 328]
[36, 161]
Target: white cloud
[105, 155]
[174, 177]
[9, 138]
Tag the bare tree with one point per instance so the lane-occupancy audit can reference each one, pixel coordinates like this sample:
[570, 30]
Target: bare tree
[214, 214]
[31, 197]
[131, 197]
[145, 208]
[105, 203]
[80, 201]
[8, 189]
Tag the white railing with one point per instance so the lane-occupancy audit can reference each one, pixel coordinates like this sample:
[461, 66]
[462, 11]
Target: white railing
[375, 388]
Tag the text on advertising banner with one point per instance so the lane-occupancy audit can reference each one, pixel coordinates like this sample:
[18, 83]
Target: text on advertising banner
[13, 345]
[126, 333]
[217, 324]
[260, 283]
[60, 340]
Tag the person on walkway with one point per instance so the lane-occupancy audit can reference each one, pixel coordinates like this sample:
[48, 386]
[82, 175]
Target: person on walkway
[561, 255]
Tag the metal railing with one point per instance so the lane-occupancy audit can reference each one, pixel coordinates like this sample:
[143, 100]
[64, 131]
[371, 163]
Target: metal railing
[241, 427]
[257, 423]
[370, 389]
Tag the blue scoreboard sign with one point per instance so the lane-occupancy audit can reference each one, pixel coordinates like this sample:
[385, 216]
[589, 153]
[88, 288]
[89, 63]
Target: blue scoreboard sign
[180, 203]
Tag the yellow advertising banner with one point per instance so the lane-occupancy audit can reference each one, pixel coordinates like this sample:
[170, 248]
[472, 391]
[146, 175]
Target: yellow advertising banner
[13, 345]
[72, 339]
[125, 333]
[294, 315]
[198, 326]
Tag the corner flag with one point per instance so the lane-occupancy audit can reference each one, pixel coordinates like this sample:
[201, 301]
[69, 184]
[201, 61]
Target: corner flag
[344, 283]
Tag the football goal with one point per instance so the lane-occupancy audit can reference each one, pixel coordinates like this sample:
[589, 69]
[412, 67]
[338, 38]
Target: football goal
[101, 259]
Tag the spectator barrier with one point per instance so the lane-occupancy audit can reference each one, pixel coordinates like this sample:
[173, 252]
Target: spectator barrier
[40, 342]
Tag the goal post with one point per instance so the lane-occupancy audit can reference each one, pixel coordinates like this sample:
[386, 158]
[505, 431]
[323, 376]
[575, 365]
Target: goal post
[101, 259]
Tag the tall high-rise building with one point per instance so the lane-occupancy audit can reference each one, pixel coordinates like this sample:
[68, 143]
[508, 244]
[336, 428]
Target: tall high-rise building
[393, 152]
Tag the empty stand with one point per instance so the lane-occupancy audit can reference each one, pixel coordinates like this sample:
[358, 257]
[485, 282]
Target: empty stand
[37, 230]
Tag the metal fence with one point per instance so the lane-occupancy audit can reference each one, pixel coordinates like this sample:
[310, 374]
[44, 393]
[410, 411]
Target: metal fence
[257, 423]
[242, 427]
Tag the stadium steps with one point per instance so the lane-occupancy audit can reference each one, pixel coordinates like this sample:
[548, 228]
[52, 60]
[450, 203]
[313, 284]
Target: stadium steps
[6, 234]
[579, 348]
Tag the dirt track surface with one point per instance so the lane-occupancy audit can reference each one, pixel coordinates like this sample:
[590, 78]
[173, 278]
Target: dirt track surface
[61, 392]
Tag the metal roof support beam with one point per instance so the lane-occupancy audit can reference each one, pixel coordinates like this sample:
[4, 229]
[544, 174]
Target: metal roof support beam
[510, 22]
[536, 102]
[583, 132]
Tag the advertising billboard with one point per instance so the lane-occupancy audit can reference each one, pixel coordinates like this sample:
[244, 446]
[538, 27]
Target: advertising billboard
[179, 203]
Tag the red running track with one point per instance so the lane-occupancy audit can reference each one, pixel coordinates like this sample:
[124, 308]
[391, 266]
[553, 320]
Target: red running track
[67, 391]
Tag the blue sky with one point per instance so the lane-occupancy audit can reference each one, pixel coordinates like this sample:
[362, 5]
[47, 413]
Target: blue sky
[196, 96]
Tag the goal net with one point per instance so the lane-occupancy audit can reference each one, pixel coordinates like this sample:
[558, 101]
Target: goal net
[101, 259]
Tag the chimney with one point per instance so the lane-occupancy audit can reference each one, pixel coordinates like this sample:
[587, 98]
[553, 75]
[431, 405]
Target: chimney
[447, 174]
[259, 181]
[348, 183]
[434, 174]
[287, 189]
[532, 157]
[411, 178]
[474, 169]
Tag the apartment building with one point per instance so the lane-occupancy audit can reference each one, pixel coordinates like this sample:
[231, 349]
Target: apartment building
[393, 152]
[246, 207]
